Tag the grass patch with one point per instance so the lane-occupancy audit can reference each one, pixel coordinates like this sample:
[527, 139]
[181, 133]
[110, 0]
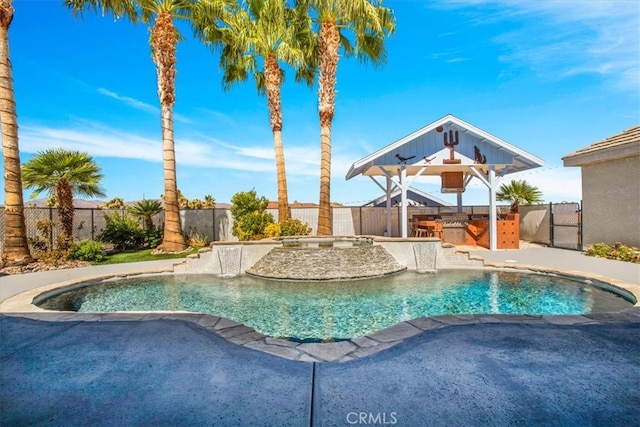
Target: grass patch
[141, 255]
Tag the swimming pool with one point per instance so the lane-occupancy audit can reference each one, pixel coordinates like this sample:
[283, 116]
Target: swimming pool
[342, 309]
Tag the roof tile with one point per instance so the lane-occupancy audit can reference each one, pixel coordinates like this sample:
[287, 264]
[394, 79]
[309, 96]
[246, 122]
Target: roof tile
[629, 136]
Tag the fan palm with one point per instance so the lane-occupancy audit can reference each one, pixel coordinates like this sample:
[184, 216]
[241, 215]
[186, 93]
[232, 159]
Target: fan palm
[146, 209]
[160, 15]
[518, 192]
[16, 247]
[370, 23]
[64, 173]
[256, 39]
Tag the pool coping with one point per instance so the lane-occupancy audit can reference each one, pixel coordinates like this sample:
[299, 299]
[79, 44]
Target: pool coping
[21, 305]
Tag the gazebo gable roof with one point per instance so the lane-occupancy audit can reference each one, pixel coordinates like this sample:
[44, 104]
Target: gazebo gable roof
[425, 147]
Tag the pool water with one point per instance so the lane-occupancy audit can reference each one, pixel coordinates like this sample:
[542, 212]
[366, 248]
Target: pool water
[342, 309]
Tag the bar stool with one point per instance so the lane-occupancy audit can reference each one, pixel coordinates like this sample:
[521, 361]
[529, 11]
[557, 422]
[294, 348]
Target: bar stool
[420, 232]
[437, 230]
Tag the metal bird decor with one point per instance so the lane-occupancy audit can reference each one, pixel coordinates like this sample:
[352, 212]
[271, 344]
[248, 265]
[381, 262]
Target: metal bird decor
[451, 143]
[479, 157]
[403, 159]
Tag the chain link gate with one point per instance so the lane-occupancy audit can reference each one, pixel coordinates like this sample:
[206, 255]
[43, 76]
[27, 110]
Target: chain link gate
[566, 226]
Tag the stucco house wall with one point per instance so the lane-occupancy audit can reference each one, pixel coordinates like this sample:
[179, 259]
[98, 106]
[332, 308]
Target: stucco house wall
[610, 189]
[611, 202]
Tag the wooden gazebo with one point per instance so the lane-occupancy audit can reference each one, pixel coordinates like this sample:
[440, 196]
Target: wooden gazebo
[452, 149]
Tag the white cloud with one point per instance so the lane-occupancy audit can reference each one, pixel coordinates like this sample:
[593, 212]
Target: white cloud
[566, 38]
[102, 141]
[557, 184]
[139, 105]
[132, 102]
[97, 142]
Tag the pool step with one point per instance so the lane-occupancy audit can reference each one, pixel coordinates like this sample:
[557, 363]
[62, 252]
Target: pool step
[449, 257]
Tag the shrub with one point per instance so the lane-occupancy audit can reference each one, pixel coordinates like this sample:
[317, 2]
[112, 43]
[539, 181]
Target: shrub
[123, 232]
[249, 216]
[253, 225]
[289, 227]
[197, 240]
[618, 252]
[153, 236]
[88, 250]
[46, 252]
[294, 227]
[273, 230]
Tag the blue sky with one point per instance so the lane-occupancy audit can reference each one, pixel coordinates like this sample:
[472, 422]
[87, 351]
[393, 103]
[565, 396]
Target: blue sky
[546, 76]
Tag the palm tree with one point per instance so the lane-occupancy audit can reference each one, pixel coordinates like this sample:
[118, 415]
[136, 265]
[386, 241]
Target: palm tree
[370, 23]
[160, 15]
[146, 209]
[64, 173]
[16, 247]
[256, 38]
[519, 192]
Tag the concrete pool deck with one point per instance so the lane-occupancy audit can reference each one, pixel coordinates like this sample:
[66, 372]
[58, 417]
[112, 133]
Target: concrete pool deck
[461, 370]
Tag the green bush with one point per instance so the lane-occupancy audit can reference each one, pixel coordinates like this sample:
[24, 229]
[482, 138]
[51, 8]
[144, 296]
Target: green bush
[249, 216]
[124, 233]
[88, 250]
[618, 252]
[273, 230]
[43, 250]
[153, 236]
[197, 240]
[294, 227]
[252, 226]
[289, 227]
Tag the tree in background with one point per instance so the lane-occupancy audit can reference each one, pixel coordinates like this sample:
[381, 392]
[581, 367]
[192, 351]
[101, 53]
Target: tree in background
[64, 173]
[256, 39]
[15, 246]
[146, 209]
[115, 203]
[370, 23]
[160, 15]
[519, 192]
[209, 202]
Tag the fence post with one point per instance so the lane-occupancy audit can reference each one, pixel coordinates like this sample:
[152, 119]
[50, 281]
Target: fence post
[92, 225]
[551, 235]
[213, 224]
[50, 227]
[580, 237]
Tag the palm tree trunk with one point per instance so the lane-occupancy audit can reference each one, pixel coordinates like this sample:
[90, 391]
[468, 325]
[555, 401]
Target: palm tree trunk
[16, 247]
[328, 53]
[272, 86]
[65, 199]
[163, 45]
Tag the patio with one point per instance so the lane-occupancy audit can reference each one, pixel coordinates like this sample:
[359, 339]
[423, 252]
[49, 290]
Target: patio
[454, 370]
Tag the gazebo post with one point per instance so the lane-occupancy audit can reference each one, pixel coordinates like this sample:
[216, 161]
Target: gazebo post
[493, 214]
[389, 185]
[459, 201]
[403, 198]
